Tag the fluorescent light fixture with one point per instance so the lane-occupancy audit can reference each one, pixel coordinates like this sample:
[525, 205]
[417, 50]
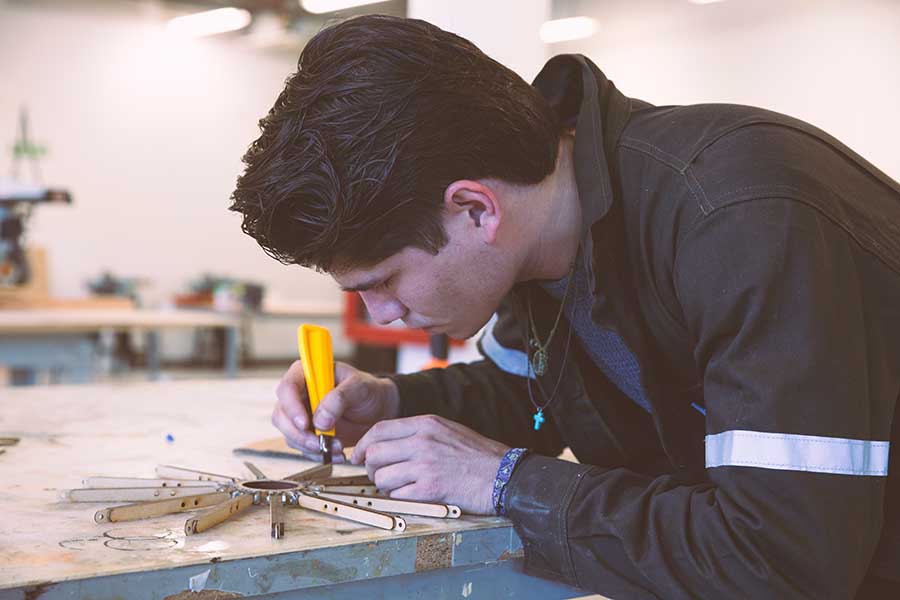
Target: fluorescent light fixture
[564, 30]
[704, 1]
[317, 7]
[210, 22]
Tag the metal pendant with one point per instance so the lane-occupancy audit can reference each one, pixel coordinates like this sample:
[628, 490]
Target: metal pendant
[539, 361]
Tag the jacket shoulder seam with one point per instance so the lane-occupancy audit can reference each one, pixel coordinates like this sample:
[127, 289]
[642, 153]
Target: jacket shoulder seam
[673, 163]
[654, 152]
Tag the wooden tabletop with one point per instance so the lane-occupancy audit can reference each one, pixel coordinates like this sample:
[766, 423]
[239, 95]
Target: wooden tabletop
[83, 320]
[70, 432]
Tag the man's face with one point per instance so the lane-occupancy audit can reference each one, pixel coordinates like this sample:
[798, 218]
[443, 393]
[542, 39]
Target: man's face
[454, 292]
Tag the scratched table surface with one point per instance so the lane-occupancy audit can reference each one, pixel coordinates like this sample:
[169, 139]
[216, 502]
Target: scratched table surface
[70, 432]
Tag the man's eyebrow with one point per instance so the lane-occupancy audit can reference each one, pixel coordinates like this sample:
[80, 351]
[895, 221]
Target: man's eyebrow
[362, 287]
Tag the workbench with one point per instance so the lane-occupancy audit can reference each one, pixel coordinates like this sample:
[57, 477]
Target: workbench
[65, 340]
[50, 548]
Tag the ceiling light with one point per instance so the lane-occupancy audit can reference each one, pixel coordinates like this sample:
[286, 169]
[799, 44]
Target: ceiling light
[210, 22]
[704, 1]
[564, 30]
[317, 7]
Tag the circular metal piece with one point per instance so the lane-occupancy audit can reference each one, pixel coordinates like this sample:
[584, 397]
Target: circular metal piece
[270, 486]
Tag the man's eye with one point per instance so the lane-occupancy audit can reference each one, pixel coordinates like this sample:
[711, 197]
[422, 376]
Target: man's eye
[384, 284]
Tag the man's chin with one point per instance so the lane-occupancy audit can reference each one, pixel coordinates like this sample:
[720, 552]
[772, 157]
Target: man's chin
[463, 333]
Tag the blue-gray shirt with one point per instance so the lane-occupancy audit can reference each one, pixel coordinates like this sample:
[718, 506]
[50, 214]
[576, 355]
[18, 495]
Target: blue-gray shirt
[605, 347]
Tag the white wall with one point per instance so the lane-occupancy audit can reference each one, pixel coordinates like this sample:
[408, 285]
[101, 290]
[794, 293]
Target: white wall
[834, 63]
[505, 30]
[148, 135]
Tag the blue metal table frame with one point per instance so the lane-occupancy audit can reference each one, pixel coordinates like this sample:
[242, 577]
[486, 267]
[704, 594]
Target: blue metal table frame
[482, 563]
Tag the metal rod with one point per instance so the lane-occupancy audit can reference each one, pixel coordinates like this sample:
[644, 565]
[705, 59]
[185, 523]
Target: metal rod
[256, 472]
[276, 516]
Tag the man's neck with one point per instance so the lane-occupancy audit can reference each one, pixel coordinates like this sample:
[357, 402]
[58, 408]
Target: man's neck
[554, 221]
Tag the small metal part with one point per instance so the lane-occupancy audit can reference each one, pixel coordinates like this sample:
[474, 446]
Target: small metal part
[9, 441]
[256, 472]
[325, 442]
[276, 516]
[269, 486]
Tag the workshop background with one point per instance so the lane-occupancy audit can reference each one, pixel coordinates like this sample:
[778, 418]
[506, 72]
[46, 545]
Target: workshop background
[123, 123]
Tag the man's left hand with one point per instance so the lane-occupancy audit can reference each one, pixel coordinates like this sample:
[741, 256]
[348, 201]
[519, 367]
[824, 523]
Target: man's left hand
[431, 459]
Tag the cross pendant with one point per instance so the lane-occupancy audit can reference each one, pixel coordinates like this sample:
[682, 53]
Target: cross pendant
[538, 419]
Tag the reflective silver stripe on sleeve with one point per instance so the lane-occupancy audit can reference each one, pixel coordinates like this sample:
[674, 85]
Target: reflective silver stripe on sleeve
[792, 452]
[511, 361]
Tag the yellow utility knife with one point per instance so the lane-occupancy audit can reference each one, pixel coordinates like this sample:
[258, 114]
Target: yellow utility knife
[318, 367]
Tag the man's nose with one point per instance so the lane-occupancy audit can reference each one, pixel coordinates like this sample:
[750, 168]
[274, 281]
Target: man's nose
[382, 308]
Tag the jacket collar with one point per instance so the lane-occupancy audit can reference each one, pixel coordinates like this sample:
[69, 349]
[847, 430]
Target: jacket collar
[584, 98]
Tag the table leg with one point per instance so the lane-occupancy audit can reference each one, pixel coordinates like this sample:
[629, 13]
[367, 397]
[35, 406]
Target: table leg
[232, 351]
[151, 351]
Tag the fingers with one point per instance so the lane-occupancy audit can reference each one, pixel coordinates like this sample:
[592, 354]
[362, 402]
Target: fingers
[330, 408]
[342, 372]
[293, 397]
[412, 491]
[392, 477]
[348, 389]
[337, 454]
[388, 430]
[291, 414]
[382, 454]
[284, 424]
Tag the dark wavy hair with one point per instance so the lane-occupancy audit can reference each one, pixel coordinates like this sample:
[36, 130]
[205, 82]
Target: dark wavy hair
[382, 114]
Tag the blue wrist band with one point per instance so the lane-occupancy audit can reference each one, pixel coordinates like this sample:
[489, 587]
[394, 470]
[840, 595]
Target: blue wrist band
[507, 466]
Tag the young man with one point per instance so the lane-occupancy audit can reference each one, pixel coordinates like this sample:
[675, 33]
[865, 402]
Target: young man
[700, 301]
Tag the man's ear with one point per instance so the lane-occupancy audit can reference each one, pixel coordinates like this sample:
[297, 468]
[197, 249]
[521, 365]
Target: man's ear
[478, 202]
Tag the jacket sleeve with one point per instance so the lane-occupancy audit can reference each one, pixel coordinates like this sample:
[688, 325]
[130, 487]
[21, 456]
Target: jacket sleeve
[799, 398]
[489, 395]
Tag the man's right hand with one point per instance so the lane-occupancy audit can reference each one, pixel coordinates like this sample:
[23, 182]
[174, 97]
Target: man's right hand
[358, 401]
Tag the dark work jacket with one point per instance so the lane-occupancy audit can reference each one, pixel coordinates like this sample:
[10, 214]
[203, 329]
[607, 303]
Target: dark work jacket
[750, 262]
